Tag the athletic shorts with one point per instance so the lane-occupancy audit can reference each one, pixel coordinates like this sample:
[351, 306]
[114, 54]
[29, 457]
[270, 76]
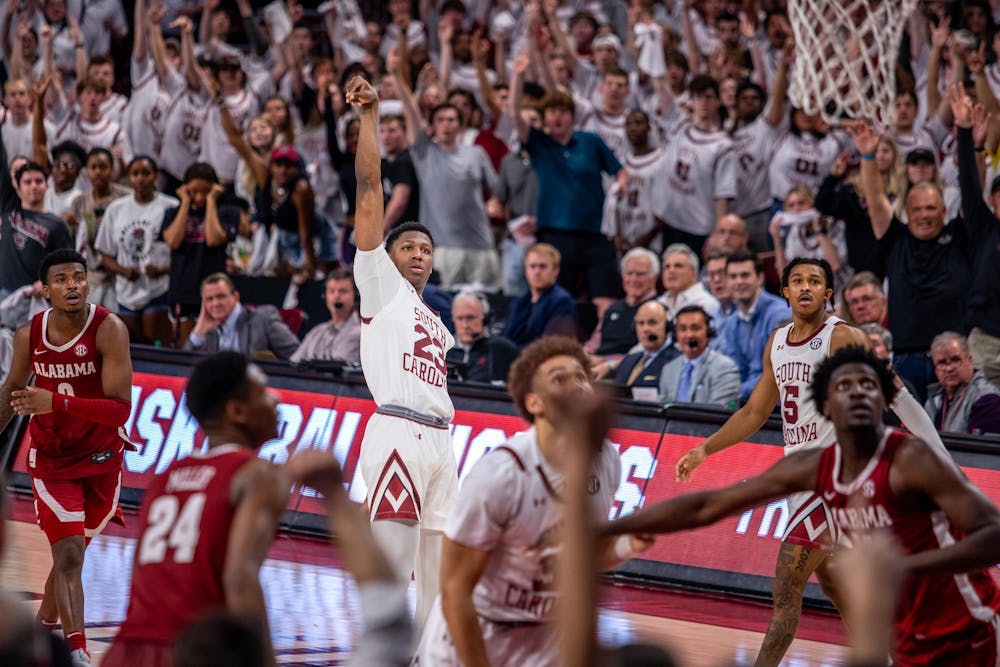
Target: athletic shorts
[71, 507]
[134, 653]
[975, 646]
[410, 471]
[809, 522]
[507, 644]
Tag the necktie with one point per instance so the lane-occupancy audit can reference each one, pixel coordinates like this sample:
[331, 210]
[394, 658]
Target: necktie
[684, 387]
[637, 369]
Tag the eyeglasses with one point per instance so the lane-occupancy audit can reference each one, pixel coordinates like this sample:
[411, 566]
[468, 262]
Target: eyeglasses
[950, 361]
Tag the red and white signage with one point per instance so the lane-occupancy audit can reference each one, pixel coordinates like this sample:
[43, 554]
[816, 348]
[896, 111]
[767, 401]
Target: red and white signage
[164, 432]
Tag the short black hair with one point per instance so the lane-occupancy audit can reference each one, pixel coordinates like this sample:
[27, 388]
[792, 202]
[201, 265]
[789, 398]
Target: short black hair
[702, 84]
[814, 261]
[56, 257]
[150, 160]
[398, 231]
[30, 165]
[852, 354]
[215, 381]
[72, 148]
[744, 255]
[728, 17]
[221, 639]
[201, 170]
[747, 84]
[444, 106]
[103, 152]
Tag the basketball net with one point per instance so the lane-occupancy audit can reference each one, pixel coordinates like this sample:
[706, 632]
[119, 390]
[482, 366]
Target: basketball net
[845, 57]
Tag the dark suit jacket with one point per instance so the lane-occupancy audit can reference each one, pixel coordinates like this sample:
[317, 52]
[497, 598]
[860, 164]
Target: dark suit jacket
[650, 376]
[553, 313]
[259, 330]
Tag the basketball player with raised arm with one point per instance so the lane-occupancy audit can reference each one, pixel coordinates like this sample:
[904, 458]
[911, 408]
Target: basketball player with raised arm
[208, 521]
[791, 356]
[498, 562]
[80, 400]
[407, 461]
[876, 478]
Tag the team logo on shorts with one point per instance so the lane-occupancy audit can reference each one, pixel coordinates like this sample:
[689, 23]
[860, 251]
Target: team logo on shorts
[395, 496]
[815, 343]
[593, 484]
[81, 350]
[868, 489]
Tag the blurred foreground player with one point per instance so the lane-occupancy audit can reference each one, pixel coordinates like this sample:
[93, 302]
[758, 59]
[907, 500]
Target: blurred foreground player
[498, 589]
[789, 362]
[79, 355]
[208, 521]
[873, 478]
[407, 461]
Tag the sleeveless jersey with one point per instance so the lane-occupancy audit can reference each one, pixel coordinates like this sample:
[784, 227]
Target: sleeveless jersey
[634, 214]
[510, 506]
[930, 605]
[793, 364]
[64, 446]
[181, 552]
[403, 341]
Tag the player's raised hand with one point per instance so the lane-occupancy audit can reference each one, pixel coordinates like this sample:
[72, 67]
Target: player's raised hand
[687, 463]
[361, 93]
[31, 401]
[864, 135]
[316, 469]
[961, 105]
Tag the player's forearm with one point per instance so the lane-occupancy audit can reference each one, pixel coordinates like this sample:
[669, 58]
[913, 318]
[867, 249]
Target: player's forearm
[361, 554]
[245, 598]
[107, 411]
[463, 626]
[679, 513]
[368, 229]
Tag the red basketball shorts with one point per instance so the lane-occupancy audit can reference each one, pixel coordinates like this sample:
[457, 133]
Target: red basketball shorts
[70, 507]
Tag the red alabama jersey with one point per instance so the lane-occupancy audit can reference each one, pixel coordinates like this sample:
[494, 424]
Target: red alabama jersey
[181, 552]
[930, 605]
[64, 446]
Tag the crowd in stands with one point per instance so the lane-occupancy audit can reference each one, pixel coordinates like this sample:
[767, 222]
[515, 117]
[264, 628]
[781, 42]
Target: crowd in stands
[575, 160]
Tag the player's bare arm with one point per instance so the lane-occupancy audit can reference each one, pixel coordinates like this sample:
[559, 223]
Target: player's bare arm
[905, 406]
[743, 423]
[461, 569]
[116, 380]
[17, 378]
[368, 229]
[260, 494]
[923, 469]
[795, 472]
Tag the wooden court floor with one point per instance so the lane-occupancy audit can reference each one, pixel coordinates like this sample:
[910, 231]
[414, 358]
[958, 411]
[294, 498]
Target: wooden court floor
[313, 607]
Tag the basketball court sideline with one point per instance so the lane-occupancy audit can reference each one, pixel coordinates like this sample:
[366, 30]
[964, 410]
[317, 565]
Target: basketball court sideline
[313, 606]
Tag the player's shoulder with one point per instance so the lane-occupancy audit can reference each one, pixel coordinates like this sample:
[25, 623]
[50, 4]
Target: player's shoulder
[260, 479]
[843, 335]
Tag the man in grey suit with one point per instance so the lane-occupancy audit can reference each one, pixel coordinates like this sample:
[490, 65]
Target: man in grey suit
[225, 324]
[699, 375]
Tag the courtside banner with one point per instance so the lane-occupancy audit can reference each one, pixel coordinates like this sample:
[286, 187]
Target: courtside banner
[736, 554]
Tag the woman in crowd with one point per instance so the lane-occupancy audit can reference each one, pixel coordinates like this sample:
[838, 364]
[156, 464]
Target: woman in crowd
[129, 246]
[88, 211]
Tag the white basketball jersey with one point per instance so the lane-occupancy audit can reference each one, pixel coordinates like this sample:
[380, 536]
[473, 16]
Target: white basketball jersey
[510, 505]
[753, 144]
[182, 132]
[634, 213]
[793, 365]
[609, 128]
[403, 341]
[802, 159]
[701, 168]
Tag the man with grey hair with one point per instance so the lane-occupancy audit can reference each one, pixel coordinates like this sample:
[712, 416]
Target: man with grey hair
[881, 339]
[615, 337]
[962, 400]
[477, 355]
[680, 278]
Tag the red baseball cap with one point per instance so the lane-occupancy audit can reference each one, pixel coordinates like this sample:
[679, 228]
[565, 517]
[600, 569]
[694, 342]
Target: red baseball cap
[286, 152]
